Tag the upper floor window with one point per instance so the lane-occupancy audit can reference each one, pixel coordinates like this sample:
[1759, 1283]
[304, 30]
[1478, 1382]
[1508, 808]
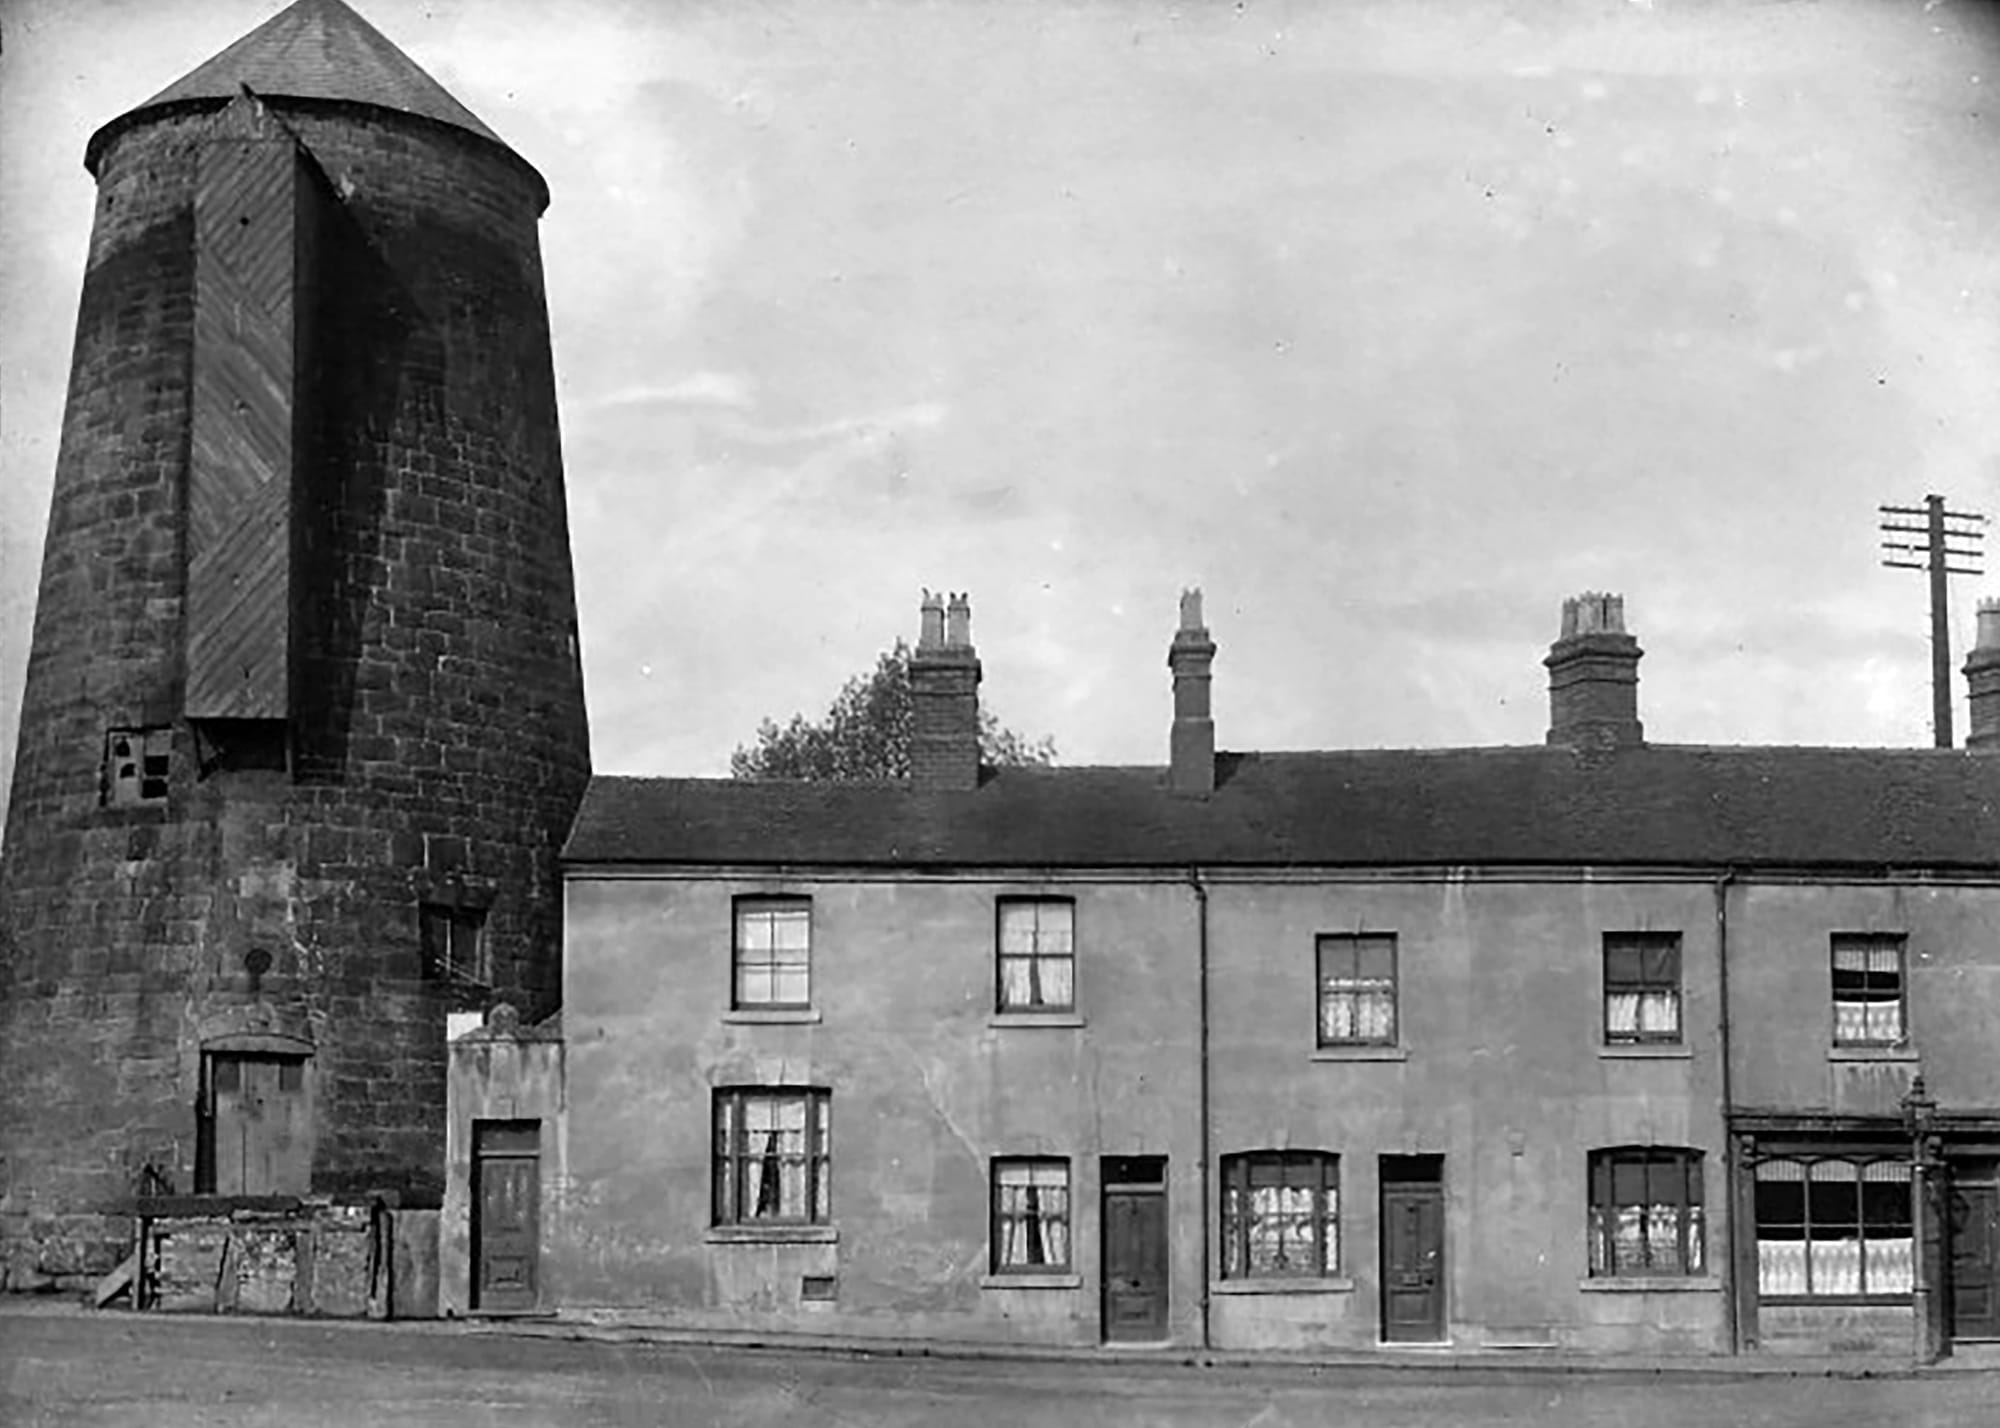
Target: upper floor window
[1646, 1212]
[1834, 1227]
[1030, 1216]
[773, 1160]
[454, 943]
[1037, 954]
[1357, 989]
[136, 763]
[1280, 1214]
[773, 957]
[1868, 989]
[1642, 986]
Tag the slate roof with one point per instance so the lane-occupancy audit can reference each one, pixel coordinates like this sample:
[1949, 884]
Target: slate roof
[314, 49]
[1660, 805]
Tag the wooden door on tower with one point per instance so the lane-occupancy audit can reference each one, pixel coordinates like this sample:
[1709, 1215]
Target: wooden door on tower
[263, 1144]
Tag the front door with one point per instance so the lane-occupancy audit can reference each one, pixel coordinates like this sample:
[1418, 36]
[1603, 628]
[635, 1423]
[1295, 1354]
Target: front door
[1974, 1230]
[1135, 1248]
[506, 1194]
[1413, 1277]
[262, 1144]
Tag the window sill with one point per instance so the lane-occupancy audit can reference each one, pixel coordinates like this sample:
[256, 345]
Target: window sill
[1646, 1051]
[772, 1235]
[1837, 1301]
[1029, 1019]
[1299, 1284]
[1650, 1284]
[772, 1016]
[1361, 1053]
[1031, 1281]
[1904, 1052]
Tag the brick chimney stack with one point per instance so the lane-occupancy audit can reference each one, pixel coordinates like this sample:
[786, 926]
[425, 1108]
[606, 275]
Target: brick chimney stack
[1192, 745]
[944, 697]
[1982, 674]
[1594, 676]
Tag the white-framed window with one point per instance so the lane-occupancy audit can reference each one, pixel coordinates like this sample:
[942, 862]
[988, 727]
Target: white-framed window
[773, 1155]
[771, 965]
[1037, 954]
[1642, 987]
[1357, 989]
[1869, 992]
[1031, 1215]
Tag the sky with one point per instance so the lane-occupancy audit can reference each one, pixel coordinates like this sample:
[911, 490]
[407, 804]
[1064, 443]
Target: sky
[1389, 323]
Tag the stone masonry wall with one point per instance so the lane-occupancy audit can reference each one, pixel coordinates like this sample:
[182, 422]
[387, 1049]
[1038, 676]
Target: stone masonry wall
[441, 745]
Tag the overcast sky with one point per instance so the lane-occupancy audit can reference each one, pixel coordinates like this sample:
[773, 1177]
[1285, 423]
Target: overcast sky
[1389, 323]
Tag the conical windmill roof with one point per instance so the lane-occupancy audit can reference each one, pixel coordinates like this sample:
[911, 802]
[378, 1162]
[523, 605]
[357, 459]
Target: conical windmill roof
[314, 49]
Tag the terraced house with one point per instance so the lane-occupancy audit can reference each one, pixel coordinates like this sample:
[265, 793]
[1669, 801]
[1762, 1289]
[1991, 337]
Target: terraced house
[1595, 1045]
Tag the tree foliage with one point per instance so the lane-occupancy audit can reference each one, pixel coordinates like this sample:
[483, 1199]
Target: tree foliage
[866, 734]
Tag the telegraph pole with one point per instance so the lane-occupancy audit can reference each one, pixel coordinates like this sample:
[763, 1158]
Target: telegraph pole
[1948, 536]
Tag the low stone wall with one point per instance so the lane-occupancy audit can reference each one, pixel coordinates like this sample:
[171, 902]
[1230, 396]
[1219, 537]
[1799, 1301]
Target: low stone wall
[61, 1254]
[267, 1256]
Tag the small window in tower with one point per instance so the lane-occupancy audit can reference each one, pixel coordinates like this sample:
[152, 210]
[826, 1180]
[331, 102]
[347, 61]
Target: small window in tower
[136, 762]
[454, 941]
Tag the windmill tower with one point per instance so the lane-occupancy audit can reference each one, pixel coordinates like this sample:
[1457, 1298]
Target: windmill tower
[303, 725]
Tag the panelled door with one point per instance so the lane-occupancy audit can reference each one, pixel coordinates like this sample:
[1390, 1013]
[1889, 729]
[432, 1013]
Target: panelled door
[1413, 1268]
[263, 1144]
[1135, 1248]
[506, 1205]
[1973, 1224]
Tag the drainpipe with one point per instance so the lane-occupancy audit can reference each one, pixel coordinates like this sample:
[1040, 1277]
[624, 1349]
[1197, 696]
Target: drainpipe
[1731, 1198]
[1201, 982]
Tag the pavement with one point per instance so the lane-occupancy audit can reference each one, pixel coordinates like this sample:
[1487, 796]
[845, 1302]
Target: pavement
[66, 1367]
[1421, 1359]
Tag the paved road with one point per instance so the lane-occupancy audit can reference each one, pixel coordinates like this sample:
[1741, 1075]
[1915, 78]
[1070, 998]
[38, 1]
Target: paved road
[161, 1372]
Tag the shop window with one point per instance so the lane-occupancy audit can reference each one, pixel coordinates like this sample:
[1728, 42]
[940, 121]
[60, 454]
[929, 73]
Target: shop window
[1834, 1227]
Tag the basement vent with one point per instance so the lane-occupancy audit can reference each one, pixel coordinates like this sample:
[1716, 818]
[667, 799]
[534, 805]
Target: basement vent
[819, 1288]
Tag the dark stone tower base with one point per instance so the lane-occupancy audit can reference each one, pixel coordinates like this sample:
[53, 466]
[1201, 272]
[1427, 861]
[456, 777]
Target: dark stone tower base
[303, 727]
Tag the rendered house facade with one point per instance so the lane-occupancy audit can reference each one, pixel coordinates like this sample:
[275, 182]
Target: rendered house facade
[1597, 1045]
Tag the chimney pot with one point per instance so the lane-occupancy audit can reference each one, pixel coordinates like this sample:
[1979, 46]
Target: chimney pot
[1191, 608]
[930, 628]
